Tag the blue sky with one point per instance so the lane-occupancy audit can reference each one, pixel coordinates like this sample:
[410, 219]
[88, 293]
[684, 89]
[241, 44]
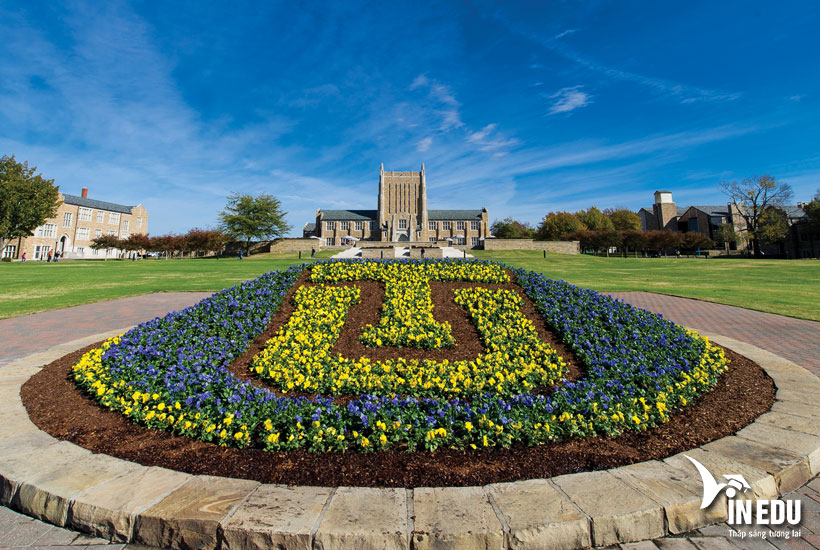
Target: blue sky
[524, 108]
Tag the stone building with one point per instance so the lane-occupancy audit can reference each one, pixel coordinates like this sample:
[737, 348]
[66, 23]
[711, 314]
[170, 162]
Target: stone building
[666, 215]
[402, 216]
[77, 222]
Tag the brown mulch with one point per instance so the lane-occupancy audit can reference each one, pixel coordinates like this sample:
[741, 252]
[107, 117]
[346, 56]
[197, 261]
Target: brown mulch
[56, 406]
[468, 343]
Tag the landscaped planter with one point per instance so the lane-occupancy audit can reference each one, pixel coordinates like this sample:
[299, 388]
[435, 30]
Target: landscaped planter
[172, 373]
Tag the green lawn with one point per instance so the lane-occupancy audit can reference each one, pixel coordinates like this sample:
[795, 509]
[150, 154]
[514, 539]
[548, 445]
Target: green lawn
[39, 286]
[786, 287]
[778, 286]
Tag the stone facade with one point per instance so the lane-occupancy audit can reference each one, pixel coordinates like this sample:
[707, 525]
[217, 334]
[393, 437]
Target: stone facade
[666, 215]
[294, 245]
[402, 216]
[559, 247]
[77, 222]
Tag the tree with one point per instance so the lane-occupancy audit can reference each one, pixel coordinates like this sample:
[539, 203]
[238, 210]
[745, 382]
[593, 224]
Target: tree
[595, 220]
[774, 225]
[246, 217]
[623, 219]
[751, 198]
[26, 199]
[509, 228]
[725, 234]
[812, 210]
[205, 240]
[136, 242]
[635, 240]
[106, 242]
[694, 240]
[557, 225]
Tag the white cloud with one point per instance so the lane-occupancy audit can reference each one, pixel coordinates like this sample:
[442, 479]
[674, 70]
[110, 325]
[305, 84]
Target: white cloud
[569, 99]
[424, 144]
[445, 101]
[563, 34]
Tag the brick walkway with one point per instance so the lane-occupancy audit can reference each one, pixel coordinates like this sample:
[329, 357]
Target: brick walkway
[22, 336]
[793, 339]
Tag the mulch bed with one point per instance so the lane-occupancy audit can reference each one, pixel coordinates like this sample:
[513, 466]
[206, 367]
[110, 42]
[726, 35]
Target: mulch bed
[57, 407]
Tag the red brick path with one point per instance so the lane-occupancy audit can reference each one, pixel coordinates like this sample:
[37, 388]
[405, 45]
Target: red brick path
[793, 339]
[22, 336]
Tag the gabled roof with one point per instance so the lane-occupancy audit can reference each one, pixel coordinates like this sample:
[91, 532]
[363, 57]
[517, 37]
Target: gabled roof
[309, 227]
[343, 215]
[794, 212]
[99, 205]
[454, 214]
[721, 210]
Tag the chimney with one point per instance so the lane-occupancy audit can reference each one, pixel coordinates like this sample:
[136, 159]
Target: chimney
[85, 192]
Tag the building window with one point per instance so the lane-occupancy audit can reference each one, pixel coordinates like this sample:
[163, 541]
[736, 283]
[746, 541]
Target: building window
[446, 225]
[41, 252]
[100, 216]
[9, 251]
[693, 225]
[48, 230]
[475, 226]
[359, 226]
[431, 226]
[402, 224]
[372, 226]
[123, 236]
[114, 218]
[84, 215]
[431, 239]
[418, 235]
[475, 241]
[112, 233]
[460, 226]
[139, 221]
[329, 241]
[97, 233]
[125, 225]
[83, 233]
[80, 250]
[95, 251]
[461, 240]
[345, 226]
[67, 219]
[330, 226]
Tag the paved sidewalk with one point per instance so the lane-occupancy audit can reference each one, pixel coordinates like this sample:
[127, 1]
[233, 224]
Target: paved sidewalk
[793, 339]
[22, 336]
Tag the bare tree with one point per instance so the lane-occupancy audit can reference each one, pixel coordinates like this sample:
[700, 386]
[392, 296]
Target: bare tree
[751, 198]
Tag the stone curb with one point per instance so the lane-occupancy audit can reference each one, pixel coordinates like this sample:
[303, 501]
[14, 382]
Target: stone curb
[64, 484]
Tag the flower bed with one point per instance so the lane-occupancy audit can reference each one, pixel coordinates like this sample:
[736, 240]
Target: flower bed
[171, 373]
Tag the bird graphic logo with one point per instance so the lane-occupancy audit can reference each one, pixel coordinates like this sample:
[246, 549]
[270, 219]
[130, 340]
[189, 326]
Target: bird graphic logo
[711, 488]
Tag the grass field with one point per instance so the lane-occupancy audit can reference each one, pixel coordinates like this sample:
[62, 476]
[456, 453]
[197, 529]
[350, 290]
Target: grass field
[39, 286]
[786, 287]
[778, 286]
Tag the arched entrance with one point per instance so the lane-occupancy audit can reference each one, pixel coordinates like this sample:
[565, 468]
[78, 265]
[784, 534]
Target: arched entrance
[63, 245]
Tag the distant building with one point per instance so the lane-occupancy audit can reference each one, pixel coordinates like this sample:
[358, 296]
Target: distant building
[402, 216]
[78, 221]
[666, 215]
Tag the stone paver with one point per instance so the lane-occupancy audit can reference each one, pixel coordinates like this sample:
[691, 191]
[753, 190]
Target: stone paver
[618, 512]
[780, 453]
[365, 518]
[276, 515]
[191, 514]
